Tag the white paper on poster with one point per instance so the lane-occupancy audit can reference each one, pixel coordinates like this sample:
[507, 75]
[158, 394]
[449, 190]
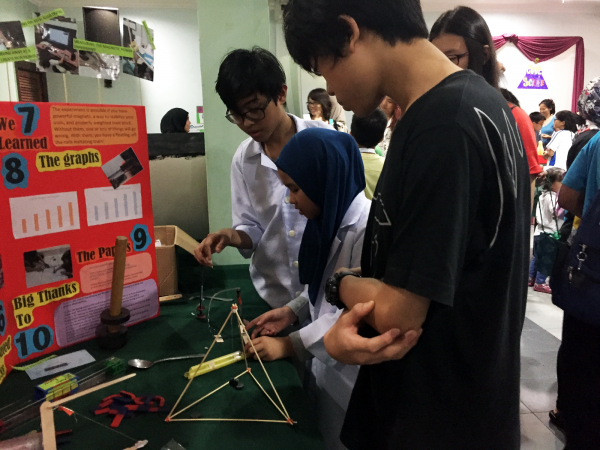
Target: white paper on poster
[108, 205]
[44, 214]
[76, 320]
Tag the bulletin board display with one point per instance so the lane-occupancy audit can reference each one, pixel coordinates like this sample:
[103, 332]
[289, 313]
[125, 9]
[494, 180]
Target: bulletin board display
[72, 178]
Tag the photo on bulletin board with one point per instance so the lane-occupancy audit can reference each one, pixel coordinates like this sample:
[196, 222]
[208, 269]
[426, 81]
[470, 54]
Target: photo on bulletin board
[99, 65]
[122, 168]
[48, 265]
[11, 35]
[54, 45]
[142, 65]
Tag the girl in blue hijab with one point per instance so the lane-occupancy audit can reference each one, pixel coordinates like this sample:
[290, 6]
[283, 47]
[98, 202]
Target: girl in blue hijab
[324, 173]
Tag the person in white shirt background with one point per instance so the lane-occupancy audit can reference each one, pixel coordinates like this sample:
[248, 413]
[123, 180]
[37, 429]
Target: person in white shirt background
[265, 226]
[549, 217]
[557, 149]
[323, 170]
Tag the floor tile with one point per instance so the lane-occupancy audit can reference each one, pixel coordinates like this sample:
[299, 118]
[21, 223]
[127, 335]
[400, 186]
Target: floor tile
[524, 409]
[539, 395]
[536, 436]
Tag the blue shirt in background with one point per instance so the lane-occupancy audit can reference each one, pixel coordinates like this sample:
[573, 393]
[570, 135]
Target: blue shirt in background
[584, 173]
[548, 129]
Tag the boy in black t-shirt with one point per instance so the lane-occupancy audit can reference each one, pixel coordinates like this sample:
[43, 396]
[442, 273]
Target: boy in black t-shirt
[447, 243]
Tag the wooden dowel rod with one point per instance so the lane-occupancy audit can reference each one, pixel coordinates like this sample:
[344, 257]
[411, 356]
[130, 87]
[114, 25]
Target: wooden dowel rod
[118, 279]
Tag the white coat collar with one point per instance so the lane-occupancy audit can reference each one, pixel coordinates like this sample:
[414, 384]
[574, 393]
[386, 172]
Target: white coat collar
[255, 148]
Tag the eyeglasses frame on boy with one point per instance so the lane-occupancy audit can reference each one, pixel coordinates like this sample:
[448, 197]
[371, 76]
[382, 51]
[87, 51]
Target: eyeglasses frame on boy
[254, 115]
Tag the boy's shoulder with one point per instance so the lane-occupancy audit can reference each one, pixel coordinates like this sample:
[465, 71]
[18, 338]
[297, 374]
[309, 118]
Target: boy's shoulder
[248, 147]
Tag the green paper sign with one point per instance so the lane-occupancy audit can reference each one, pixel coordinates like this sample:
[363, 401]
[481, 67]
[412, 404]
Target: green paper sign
[150, 38]
[43, 18]
[18, 54]
[107, 49]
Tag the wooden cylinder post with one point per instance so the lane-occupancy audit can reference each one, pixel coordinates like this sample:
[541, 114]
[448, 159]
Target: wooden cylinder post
[116, 293]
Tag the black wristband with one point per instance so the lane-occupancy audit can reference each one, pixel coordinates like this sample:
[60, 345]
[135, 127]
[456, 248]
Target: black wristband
[332, 288]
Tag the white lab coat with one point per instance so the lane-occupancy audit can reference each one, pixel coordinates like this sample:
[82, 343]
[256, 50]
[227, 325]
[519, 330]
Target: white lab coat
[330, 383]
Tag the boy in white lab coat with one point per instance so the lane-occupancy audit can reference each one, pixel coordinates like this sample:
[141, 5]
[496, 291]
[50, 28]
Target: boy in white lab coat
[265, 226]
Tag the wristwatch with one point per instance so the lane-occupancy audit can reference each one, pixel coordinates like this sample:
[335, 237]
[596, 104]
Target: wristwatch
[332, 288]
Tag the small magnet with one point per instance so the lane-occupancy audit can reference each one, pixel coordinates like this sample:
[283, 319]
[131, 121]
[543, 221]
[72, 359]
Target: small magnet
[236, 384]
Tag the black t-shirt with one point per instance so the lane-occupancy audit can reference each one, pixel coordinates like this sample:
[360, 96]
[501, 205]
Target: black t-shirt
[449, 222]
[579, 142]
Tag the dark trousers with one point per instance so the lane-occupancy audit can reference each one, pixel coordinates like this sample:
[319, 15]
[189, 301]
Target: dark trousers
[579, 383]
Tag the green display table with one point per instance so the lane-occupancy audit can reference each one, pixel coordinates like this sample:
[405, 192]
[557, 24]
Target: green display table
[178, 332]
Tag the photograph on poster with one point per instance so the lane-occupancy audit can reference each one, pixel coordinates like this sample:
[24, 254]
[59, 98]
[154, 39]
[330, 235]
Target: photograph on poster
[48, 265]
[11, 35]
[122, 168]
[54, 45]
[142, 65]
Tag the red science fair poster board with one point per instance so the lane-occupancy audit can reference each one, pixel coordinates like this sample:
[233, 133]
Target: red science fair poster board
[72, 179]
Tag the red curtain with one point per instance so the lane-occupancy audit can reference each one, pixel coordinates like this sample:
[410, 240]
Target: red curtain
[545, 48]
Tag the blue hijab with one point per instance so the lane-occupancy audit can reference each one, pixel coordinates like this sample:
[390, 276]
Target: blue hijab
[327, 166]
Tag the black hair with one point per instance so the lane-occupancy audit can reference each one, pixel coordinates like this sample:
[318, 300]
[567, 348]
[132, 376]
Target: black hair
[567, 117]
[579, 120]
[246, 72]
[549, 104]
[553, 174]
[321, 96]
[536, 117]
[510, 97]
[368, 131]
[468, 24]
[314, 28]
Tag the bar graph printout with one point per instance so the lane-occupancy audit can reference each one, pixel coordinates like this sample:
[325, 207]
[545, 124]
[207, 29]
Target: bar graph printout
[107, 205]
[37, 215]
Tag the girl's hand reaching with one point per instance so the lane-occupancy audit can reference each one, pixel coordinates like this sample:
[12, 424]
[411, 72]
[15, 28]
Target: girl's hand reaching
[270, 349]
[272, 322]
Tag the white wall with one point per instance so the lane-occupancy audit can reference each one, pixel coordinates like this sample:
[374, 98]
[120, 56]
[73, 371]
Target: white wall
[177, 79]
[14, 10]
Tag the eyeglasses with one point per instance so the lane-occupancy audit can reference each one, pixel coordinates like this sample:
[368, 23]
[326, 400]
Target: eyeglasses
[456, 58]
[309, 104]
[253, 115]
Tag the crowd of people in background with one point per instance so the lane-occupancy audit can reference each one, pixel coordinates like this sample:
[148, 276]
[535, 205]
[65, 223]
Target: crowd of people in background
[416, 228]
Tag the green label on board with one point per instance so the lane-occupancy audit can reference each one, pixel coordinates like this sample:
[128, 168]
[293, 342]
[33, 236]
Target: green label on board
[107, 49]
[18, 54]
[43, 18]
[150, 38]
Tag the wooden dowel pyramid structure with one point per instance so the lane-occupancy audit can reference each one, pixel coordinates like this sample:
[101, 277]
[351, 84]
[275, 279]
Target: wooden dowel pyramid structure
[172, 417]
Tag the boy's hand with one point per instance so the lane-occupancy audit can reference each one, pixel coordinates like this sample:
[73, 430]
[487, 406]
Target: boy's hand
[270, 349]
[344, 344]
[272, 322]
[213, 243]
